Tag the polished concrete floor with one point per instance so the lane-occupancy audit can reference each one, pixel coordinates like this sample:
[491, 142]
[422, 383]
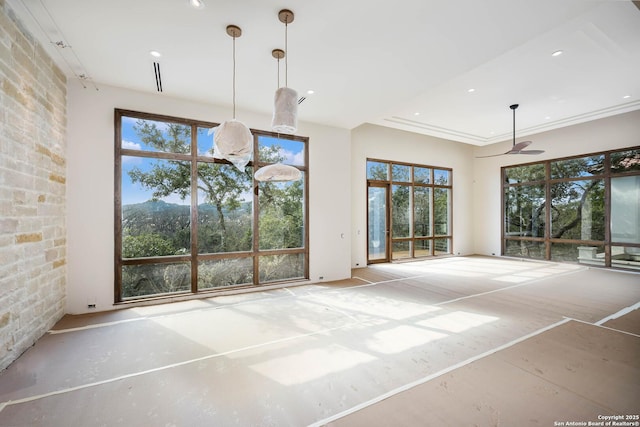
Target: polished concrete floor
[453, 341]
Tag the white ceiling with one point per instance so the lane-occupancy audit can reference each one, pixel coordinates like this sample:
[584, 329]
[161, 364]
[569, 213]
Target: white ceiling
[368, 62]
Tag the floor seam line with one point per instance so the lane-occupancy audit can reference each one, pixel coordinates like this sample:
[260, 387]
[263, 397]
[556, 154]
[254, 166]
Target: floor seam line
[160, 316]
[171, 366]
[619, 313]
[605, 327]
[291, 294]
[435, 375]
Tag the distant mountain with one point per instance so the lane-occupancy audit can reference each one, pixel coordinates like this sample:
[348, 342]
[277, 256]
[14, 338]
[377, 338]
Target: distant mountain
[154, 207]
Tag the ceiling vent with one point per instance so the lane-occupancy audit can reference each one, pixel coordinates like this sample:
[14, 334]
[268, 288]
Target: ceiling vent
[156, 69]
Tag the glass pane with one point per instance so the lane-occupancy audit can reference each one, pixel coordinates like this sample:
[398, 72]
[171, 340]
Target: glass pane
[442, 246]
[577, 210]
[152, 279]
[525, 248]
[441, 177]
[625, 161]
[281, 218]
[441, 211]
[225, 272]
[151, 135]
[377, 220]
[524, 210]
[421, 211]
[401, 250]
[421, 175]
[625, 257]
[156, 207]
[422, 248]
[401, 211]
[225, 208]
[576, 168]
[401, 173]
[281, 267]
[592, 255]
[565, 252]
[377, 171]
[281, 150]
[625, 209]
[528, 173]
[205, 142]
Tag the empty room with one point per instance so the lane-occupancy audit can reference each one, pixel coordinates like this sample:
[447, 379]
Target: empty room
[336, 213]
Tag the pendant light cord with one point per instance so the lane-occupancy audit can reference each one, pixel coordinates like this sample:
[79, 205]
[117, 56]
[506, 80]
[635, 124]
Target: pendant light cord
[234, 78]
[286, 55]
[514, 127]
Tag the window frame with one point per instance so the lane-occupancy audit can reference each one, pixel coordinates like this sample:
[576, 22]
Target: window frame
[412, 239]
[548, 241]
[194, 257]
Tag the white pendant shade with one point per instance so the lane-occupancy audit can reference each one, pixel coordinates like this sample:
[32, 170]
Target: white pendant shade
[233, 141]
[285, 111]
[278, 173]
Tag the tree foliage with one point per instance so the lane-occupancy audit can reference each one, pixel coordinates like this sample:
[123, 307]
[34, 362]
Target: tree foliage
[576, 206]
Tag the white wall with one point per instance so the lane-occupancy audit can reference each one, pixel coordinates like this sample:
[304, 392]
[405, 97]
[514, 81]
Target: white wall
[371, 141]
[90, 187]
[337, 162]
[610, 133]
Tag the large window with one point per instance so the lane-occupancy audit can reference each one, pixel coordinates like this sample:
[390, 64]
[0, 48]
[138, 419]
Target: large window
[186, 222]
[582, 209]
[409, 210]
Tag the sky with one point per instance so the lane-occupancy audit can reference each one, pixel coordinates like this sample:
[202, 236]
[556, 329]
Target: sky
[291, 151]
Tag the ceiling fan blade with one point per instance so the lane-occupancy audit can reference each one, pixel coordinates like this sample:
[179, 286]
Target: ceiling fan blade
[491, 155]
[531, 152]
[520, 145]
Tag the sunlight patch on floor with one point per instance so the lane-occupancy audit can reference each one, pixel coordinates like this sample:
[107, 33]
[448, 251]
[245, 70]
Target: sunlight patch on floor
[507, 270]
[401, 338]
[457, 321]
[512, 279]
[312, 364]
[378, 306]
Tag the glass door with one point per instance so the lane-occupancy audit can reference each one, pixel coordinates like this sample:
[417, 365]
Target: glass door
[377, 223]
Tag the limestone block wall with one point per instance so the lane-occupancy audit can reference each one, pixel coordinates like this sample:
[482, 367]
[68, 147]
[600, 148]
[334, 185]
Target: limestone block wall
[32, 189]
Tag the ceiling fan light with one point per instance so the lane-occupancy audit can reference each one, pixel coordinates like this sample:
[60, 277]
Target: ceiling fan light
[285, 111]
[278, 172]
[233, 141]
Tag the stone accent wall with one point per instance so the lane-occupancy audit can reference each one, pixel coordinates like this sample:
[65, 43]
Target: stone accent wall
[32, 189]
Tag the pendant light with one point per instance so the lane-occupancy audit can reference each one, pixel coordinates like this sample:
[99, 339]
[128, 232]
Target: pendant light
[285, 105]
[233, 140]
[278, 172]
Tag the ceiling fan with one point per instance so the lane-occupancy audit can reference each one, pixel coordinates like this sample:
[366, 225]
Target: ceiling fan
[518, 148]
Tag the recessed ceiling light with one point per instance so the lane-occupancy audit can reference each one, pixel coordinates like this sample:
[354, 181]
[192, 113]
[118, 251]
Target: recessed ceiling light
[627, 96]
[557, 53]
[471, 90]
[196, 4]
[311, 92]
[547, 118]
[155, 54]
[417, 113]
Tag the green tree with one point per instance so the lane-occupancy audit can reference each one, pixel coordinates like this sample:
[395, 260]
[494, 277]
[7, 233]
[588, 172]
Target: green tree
[281, 215]
[146, 245]
[221, 184]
